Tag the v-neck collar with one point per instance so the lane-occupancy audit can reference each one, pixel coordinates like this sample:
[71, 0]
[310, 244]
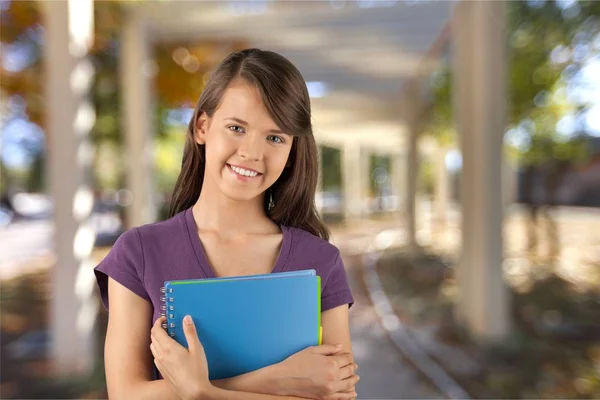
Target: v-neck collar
[192, 231]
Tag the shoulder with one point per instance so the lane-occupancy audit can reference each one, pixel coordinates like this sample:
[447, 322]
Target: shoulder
[159, 231]
[135, 251]
[305, 242]
[132, 246]
[312, 252]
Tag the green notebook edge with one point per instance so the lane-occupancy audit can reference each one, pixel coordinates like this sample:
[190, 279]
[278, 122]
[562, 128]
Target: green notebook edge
[320, 333]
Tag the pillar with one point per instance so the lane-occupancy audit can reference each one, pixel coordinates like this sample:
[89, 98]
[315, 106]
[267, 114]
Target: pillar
[70, 118]
[480, 58]
[354, 175]
[319, 191]
[136, 72]
[442, 187]
[412, 112]
[399, 177]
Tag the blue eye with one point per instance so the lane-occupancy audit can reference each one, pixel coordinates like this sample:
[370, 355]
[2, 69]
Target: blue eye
[236, 128]
[275, 139]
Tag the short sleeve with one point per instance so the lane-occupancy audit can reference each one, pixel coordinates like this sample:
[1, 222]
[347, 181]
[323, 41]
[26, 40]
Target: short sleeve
[125, 264]
[336, 290]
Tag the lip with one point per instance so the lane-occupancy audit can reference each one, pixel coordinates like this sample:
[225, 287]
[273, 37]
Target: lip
[242, 177]
[246, 168]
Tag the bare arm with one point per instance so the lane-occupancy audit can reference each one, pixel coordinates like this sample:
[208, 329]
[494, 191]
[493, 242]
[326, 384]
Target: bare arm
[336, 327]
[216, 393]
[264, 380]
[128, 361]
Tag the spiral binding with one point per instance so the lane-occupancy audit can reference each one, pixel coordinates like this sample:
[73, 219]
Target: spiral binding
[166, 305]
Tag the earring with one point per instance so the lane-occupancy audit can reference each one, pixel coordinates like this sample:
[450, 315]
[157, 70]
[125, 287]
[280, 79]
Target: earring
[271, 203]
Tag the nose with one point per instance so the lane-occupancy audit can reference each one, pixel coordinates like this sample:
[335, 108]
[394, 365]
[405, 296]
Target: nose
[251, 148]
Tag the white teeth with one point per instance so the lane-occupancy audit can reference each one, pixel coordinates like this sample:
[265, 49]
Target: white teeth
[244, 172]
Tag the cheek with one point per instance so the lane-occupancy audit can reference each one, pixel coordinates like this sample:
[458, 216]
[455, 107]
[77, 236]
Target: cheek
[277, 164]
[218, 150]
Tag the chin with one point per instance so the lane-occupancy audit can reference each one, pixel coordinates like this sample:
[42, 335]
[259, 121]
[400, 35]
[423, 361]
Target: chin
[238, 195]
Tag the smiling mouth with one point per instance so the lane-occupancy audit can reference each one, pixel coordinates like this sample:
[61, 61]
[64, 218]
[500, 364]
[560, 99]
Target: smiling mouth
[242, 173]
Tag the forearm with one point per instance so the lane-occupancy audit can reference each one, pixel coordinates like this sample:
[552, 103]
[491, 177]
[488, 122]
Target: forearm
[216, 393]
[148, 390]
[267, 380]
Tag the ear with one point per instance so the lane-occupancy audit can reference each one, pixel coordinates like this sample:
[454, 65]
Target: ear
[201, 128]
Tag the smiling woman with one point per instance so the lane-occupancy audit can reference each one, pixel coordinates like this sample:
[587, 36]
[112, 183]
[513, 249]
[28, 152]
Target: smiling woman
[247, 148]
[243, 205]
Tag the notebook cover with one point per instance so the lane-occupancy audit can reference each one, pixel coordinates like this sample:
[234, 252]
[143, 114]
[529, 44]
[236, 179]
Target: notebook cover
[246, 323]
[303, 272]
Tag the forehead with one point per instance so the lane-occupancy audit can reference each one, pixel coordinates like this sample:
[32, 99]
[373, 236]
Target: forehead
[243, 100]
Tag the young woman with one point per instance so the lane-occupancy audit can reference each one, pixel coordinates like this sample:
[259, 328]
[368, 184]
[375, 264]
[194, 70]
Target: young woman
[243, 204]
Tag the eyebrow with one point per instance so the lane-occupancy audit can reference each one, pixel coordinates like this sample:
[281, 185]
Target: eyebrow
[242, 122]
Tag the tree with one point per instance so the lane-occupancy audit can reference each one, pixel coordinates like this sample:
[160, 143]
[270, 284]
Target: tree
[549, 45]
[181, 69]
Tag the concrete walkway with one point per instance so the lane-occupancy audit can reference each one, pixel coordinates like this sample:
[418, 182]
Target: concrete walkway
[384, 372]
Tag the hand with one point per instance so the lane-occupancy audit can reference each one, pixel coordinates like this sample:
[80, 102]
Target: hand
[320, 372]
[185, 369]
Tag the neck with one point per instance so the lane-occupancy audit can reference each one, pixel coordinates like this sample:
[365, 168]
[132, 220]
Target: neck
[215, 212]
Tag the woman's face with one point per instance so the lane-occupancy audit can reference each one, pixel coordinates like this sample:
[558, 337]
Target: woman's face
[246, 151]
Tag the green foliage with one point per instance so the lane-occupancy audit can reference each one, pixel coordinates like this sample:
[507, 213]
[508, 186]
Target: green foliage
[176, 84]
[35, 179]
[536, 83]
[331, 159]
[169, 148]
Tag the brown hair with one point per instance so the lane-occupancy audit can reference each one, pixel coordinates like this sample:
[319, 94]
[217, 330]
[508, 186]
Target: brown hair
[285, 96]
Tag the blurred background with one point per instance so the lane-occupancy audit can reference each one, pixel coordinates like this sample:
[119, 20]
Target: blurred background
[460, 175]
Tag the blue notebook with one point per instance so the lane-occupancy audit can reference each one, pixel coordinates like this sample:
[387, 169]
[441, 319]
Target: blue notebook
[249, 322]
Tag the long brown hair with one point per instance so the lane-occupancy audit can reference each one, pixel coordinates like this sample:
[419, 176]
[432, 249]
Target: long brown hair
[285, 96]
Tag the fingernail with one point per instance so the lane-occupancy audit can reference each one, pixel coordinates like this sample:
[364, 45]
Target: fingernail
[339, 346]
[187, 320]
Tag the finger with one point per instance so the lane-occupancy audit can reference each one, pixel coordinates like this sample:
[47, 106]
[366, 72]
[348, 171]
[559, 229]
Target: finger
[157, 326]
[164, 372]
[342, 396]
[327, 349]
[158, 323]
[154, 351]
[191, 336]
[348, 384]
[160, 368]
[159, 335]
[343, 359]
[347, 371]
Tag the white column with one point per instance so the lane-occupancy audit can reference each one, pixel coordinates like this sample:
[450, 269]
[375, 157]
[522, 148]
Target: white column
[319, 191]
[412, 108]
[365, 181]
[352, 177]
[71, 116]
[480, 58]
[442, 186]
[399, 177]
[136, 71]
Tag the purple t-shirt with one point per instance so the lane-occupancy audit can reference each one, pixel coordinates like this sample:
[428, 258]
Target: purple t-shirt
[144, 258]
